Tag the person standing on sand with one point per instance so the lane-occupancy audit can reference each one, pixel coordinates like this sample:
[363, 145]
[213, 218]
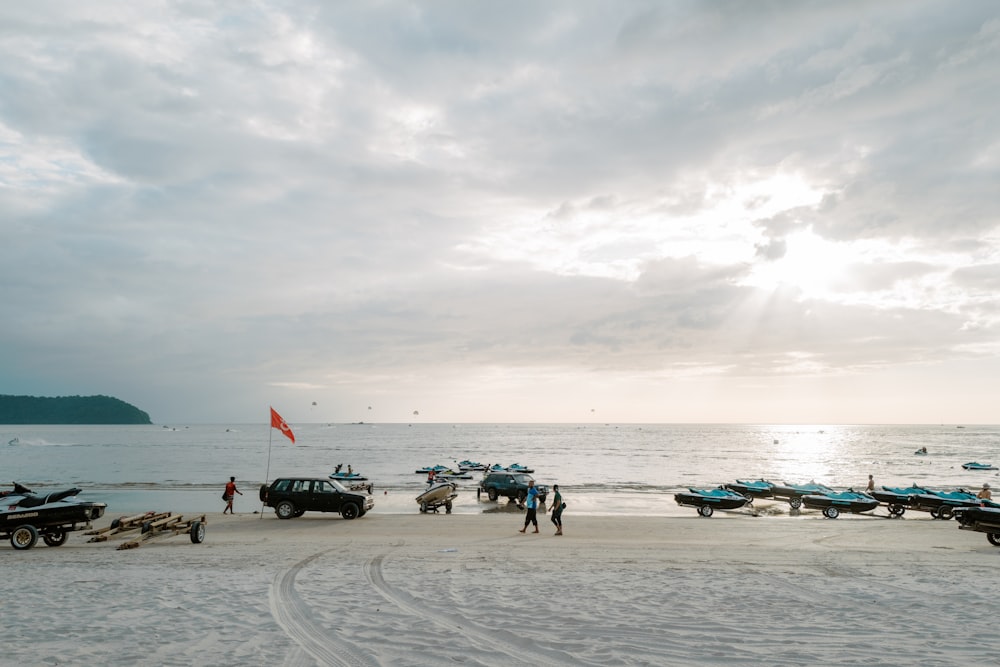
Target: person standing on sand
[228, 495]
[532, 505]
[871, 484]
[557, 508]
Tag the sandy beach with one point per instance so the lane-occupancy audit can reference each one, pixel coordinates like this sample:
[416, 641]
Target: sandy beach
[396, 589]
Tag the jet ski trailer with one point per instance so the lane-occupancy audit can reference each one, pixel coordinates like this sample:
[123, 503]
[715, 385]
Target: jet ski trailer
[437, 495]
[833, 504]
[709, 500]
[982, 520]
[25, 516]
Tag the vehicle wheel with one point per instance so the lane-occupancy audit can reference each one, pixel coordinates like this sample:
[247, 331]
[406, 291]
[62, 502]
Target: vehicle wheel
[522, 495]
[705, 510]
[795, 502]
[349, 511]
[447, 507]
[946, 512]
[423, 508]
[896, 509]
[297, 513]
[491, 493]
[479, 493]
[23, 537]
[197, 532]
[934, 512]
[831, 512]
[56, 538]
[285, 509]
[146, 527]
[994, 539]
[116, 523]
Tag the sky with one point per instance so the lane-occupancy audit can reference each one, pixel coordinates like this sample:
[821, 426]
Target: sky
[451, 211]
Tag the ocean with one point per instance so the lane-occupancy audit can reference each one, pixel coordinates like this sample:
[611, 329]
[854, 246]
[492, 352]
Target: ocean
[602, 469]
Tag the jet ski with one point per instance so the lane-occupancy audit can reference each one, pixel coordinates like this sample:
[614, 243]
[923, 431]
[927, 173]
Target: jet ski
[436, 495]
[470, 465]
[434, 469]
[897, 499]
[982, 520]
[709, 500]
[833, 504]
[760, 488]
[942, 504]
[25, 515]
[793, 492]
[348, 476]
[974, 465]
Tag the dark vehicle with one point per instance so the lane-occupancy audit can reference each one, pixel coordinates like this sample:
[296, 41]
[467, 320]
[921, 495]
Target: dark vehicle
[25, 515]
[294, 496]
[982, 520]
[513, 485]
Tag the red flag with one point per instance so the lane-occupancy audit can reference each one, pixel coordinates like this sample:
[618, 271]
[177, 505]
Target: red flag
[280, 424]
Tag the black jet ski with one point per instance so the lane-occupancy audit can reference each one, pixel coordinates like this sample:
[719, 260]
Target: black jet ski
[834, 503]
[982, 520]
[26, 515]
[709, 500]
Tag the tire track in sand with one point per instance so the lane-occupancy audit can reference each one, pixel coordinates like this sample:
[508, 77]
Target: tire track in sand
[519, 654]
[293, 616]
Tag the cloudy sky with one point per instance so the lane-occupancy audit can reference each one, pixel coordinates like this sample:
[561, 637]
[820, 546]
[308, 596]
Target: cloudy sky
[782, 212]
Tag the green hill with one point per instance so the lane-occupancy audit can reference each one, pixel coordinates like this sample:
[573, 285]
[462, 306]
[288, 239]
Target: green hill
[69, 410]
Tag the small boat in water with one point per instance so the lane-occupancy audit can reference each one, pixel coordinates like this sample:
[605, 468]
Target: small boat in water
[973, 465]
[434, 469]
[470, 465]
[709, 500]
[833, 504]
[921, 452]
[437, 495]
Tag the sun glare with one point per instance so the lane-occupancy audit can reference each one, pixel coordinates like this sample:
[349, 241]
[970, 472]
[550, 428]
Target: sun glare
[809, 264]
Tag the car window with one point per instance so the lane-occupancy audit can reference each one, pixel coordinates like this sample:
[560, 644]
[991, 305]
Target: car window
[323, 487]
[282, 484]
[300, 486]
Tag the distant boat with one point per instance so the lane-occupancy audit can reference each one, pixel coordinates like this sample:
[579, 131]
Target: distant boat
[14, 441]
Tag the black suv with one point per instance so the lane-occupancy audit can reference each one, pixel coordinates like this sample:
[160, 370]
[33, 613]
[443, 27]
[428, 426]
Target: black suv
[294, 496]
[513, 485]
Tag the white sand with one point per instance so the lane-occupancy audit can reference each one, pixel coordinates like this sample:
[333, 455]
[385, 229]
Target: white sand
[470, 590]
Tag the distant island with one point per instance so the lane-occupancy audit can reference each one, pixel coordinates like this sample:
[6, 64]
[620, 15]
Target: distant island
[69, 410]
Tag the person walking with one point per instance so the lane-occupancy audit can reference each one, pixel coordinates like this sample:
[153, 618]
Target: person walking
[557, 509]
[228, 495]
[532, 504]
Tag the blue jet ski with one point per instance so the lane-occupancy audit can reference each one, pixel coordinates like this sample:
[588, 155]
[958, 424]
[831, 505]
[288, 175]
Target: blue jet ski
[897, 499]
[973, 465]
[833, 504]
[793, 493]
[709, 500]
[760, 488]
[942, 504]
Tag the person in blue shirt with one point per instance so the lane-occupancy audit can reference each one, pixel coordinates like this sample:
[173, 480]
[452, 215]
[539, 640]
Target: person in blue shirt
[532, 504]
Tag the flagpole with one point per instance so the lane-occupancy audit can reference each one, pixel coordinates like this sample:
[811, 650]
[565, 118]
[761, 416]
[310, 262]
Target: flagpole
[267, 471]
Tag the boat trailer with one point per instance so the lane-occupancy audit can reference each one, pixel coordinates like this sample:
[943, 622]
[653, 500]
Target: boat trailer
[150, 526]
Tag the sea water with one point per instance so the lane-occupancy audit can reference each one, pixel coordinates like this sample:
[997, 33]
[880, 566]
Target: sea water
[605, 469]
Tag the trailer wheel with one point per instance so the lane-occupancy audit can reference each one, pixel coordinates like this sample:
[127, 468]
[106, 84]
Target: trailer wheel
[795, 502]
[934, 512]
[946, 512]
[447, 507]
[23, 537]
[197, 532]
[895, 509]
[285, 509]
[349, 511]
[491, 493]
[56, 538]
[705, 510]
[994, 539]
[831, 512]
[423, 508]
